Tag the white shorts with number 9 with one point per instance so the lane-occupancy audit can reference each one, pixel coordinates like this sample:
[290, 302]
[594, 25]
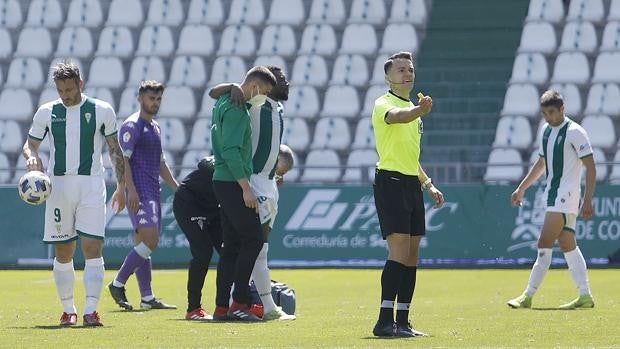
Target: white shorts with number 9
[76, 206]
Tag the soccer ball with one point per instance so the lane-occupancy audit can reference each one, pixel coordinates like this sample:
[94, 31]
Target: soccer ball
[34, 187]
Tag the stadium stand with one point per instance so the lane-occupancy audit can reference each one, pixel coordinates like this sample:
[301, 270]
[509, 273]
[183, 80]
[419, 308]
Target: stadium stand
[485, 76]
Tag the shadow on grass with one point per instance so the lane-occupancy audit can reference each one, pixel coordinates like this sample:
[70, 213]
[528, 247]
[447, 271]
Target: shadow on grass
[54, 327]
[551, 308]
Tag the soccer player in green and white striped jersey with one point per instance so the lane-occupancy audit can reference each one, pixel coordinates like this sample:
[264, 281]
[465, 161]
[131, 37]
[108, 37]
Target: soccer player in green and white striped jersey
[267, 127]
[77, 127]
[564, 148]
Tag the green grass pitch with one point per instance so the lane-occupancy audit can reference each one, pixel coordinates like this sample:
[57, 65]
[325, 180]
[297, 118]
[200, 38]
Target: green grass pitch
[335, 308]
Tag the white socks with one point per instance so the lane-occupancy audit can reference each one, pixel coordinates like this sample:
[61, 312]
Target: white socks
[539, 270]
[64, 276]
[577, 266]
[93, 282]
[262, 279]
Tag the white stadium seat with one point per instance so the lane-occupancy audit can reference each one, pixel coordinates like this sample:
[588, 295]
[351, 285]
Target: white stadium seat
[530, 68]
[408, 11]
[350, 70]
[5, 169]
[513, 132]
[75, 42]
[201, 135]
[34, 42]
[125, 13]
[606, 68]
[310, 70]
[165, 12]
[586, 10]
[393, 38]
[364, 11]
[84, 13]
[108, 175]
[603, 98]
[206, 107]
[602, 170]
[303, 101]
[545, 10]
[188, 71]
[115, 41]
[521, 99]
[227, 69]
[296, 134]
[571, 67]
[196, 40]
[504, 165]
[146, 68]
[360, 39]
[155, 40]
[250, 12]
[178, 102]
[378, 74]
[572, 98]
[614, 10]
[272, 60]
[44, 13]
[278, 40]
[538, 37]
[322, 166]
[106, 72]
[11, 136]
[600, 129]
[331, 133]
[579, 36]
[364, 135]
[374, 92]
[10, 14]
[6, 44]
[611, 36]
[15, 104]
[101, 93]
[47, 95]
[359, 160]
[341, 101]
[190, 161]
[318, 39]
[128, 103]
[25, 72]
[237, 40]
[205, 12]
[327, 11]
[172, 134]
[289, 12]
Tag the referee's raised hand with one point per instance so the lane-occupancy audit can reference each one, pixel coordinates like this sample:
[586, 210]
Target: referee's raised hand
[425, 103]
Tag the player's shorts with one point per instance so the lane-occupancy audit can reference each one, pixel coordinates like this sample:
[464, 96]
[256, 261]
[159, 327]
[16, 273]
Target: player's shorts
[565, 202]
[570, 221]
[266, 192]
[399, 203]
[148, 215]
[75, 207]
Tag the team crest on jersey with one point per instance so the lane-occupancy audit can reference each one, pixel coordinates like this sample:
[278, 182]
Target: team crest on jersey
[87, 116]
[126, 137]
[420, 127]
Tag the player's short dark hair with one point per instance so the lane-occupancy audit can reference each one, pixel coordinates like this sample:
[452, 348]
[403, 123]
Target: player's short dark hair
[402, 54]
[66, 70]
[551, 98]
[262, 74]
[150, 85]
[279, 91]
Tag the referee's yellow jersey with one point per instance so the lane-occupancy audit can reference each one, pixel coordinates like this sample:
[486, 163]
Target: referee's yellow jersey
[398, 145]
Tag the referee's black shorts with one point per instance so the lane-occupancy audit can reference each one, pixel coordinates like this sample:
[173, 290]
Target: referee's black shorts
[399, 203]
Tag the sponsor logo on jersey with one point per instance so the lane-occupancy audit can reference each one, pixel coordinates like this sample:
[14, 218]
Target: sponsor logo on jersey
[145, 130]
[143, 221]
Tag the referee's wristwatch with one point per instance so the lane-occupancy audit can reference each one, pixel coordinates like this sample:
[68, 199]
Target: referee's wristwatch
[427, 183]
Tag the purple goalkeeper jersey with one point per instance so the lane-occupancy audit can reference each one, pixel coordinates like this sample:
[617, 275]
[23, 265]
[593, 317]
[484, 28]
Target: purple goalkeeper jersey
[141, 143]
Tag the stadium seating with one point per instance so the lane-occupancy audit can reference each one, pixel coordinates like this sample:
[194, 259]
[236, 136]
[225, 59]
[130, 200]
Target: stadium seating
[373, 92]
[205, 12]
[278, 40]
[125, 13]
[289, 12]
[364, 135]
[513, 131]
[572, 98]
[322, 166]
[84, 13]
[408, 11]
[327, 12]
[206, 107]
[5, 169]
[201, 135]
[611, 37]
[47, 95]
[571, 67]
[190, 160]
[237, 40]
[605, 68]
[11, 136]
[172, 134]
[350, 70]
[188, 71]
[227, 69]
[530, 68]
[546, 10]
[359, 39]
[250, 12]
[196, 40]
[44, 13]
[538, 37]
[341, 100]
[101, 93]
[146, 68]
[318, 39]
[34, 42]
[25, 73]
[155, 40]
[10, 14]
[331, 133]
[521, 99]
[579, 36]
[586, 10]
[128, 103]
[75, 42]
[106, 72]
[364, 158]
[604, 99]
[602, 170]
[504, 165]
[165, 12]
[178, 102]
[273, 60]
[614, 10]
[364, 11]
[614, 175]
[15, 104]
[115, 41]
[296, 134]
[6, 44]
[393, 38]
[601, 130]
[310, 70]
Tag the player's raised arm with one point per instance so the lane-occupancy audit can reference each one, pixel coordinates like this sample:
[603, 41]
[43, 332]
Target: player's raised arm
[236, 93]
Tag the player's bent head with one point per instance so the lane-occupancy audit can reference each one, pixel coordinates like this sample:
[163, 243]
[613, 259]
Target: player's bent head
[260, 76]
[551, 98]
[286, 159]
[66, 70]
[399, 55]
[150, 86]
[280, 91]
[68, 82]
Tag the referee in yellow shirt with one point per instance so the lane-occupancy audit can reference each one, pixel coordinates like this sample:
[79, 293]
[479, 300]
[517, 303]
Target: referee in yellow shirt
[398, 187]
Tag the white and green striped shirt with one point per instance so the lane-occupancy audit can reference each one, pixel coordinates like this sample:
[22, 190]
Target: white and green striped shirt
[77, 134]
[563, 147]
